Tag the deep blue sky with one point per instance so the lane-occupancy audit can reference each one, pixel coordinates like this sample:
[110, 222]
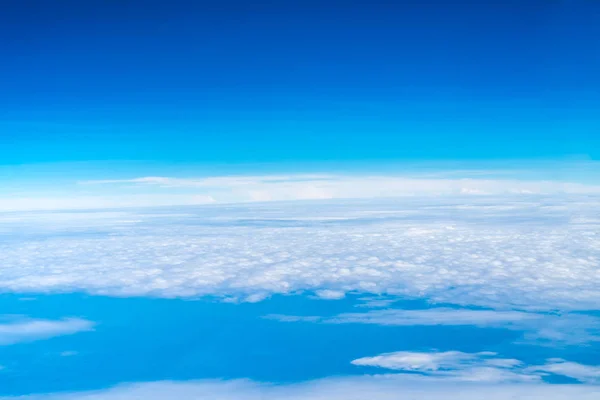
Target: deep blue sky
[236, 81]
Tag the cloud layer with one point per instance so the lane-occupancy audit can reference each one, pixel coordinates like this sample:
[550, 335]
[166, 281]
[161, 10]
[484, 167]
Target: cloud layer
[165, 190]
[378, 387]
[502, 252]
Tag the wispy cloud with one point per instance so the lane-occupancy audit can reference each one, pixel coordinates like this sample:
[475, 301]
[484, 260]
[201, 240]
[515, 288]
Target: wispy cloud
[456, 365]
[375, 387]
[543, 328]
[580, 372]
[478, 367]
[148, 191]
[324, 186]
[27, 330]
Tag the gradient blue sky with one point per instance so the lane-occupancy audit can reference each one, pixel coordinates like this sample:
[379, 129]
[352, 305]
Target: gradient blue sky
[233, 82]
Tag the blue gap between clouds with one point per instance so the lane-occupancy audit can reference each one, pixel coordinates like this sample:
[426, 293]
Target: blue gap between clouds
[148, 339]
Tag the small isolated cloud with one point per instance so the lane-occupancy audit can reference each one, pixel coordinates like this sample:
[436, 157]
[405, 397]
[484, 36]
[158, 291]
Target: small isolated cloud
[28, 330]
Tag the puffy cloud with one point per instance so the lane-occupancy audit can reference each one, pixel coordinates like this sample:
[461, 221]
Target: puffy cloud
[16, 330]
[528, 253]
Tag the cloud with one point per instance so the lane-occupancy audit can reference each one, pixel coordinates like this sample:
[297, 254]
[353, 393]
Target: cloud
[580, 372]
[438, 316]
[542, 328]
[539, 253]
[327, 186]
[152, 191]
[478, 367]
[103, 201]
[330, 294]
[455, 365]
[376, 387]
[28, 330]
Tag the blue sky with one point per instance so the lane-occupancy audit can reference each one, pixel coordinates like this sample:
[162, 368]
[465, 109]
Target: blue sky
[304, 200]
[188, 82]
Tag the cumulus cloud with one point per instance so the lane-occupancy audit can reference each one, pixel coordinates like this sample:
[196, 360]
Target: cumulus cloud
[539, 253]
[16, 330]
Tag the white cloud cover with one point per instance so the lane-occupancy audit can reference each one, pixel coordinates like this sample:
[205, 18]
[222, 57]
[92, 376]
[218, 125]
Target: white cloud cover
[165, 190]
[375, 387]
[506, 252]
[327, 186]
[17, 329]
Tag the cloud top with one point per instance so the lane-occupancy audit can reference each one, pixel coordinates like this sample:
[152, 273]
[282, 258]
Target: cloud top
[495, 252]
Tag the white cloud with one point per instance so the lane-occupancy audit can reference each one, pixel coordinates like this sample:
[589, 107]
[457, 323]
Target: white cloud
[378, 387]
[478, 367]
[84, 202]
[330, 294]
[541, 328]
[581, 372]
[535, 253]
[454, 365]
[164, 190]
[327, 186]
[439, 316]
[27, 330]
[417, 361]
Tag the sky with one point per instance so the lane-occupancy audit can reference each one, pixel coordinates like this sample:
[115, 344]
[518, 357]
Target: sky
[286, 81]
[299, 199]
[112, 90]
